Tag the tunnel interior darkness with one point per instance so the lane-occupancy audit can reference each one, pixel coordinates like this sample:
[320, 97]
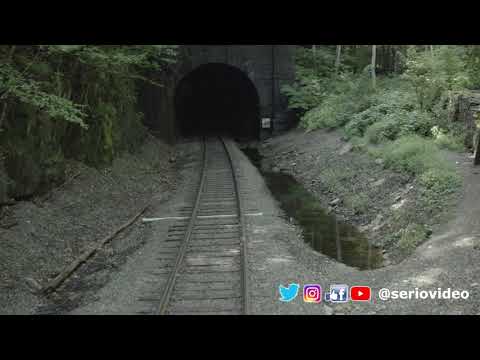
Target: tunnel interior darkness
[218, 99]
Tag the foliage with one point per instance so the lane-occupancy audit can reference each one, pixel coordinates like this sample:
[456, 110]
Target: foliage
[315, 77]
[13, 83]
[25, 72]
[407, 117]
[412, 154]
[392, 114]
[398, 123]
[435, 74]
[420, 157]
[411, 237]
[413, 103]
[93, 89]
[447, 140]
[347, 97]
[121, 60]
[334, 112]
[473, 65]
[312, 72]
[304, 94]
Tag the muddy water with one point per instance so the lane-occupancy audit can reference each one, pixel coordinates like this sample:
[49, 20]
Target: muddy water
[322, 231]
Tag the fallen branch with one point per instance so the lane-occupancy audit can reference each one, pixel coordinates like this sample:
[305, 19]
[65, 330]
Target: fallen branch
[65, 274]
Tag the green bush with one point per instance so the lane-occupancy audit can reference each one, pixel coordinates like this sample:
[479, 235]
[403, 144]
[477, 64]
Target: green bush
[421, 157]
[413, 154]
[411, 237]
[334, 112]
[473, 65]
[304, 95]
[382, 131]
[447, 141]
[401, 122]
[414, 103]
[396, 111]
[434, 74]
[349, 95]
[440, 182]
[312, 78]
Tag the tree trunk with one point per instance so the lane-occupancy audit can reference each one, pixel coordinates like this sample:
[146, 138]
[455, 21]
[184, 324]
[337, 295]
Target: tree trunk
[374, 65]
[4, 114]
[339, 57]
[5, 94]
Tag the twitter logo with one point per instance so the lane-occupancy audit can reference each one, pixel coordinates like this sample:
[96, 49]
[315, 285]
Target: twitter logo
[288, 294]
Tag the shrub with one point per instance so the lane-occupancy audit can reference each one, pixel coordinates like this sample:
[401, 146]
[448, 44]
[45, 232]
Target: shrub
[385, 105]
[334, 112]
[412, 236]
[349, 95]
[447, 141]
[440, 182]
[382, 131]
[313, 72]
[433, 75]
[420, 157]
[305, 94]
[412, 154]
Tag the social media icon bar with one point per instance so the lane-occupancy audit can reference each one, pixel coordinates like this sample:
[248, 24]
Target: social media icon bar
[338, 294]
[312, 294]
[290, 293]
[361, 293]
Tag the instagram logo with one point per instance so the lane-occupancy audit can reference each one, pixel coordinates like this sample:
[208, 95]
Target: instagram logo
[312, 294]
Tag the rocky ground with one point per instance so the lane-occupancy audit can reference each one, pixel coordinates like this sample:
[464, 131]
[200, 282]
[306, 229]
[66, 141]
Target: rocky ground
[123, 278]
[38, 238]
[357, 188]
[449, 259]
[133, 287]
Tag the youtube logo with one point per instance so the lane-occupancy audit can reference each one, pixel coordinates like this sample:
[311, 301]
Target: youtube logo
[360, 293]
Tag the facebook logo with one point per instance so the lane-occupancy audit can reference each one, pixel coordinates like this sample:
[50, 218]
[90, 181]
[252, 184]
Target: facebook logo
[338, 294]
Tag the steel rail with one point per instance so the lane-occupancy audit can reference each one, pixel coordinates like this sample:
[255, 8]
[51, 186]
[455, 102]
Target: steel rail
[162, 308]
[243, 229]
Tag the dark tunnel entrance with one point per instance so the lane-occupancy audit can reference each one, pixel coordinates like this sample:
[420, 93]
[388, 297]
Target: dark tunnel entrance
[218, 99]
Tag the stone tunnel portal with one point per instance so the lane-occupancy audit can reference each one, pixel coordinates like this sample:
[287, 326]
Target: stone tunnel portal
[217, 98]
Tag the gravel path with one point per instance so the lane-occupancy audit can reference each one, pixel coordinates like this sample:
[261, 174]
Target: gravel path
[53, 230]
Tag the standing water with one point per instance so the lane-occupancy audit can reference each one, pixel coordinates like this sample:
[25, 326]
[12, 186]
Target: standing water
[322, 231]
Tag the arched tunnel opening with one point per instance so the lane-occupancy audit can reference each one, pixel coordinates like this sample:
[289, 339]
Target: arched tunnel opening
[218, 99]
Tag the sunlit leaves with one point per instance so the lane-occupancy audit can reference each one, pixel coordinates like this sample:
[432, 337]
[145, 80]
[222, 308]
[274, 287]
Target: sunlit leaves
[13, 83]
[120, 61]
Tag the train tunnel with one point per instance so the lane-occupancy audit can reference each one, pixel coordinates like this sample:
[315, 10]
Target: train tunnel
[218, 99]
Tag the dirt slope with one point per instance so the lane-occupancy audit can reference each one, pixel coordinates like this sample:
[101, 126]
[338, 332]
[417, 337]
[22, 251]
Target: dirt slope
[52, 230]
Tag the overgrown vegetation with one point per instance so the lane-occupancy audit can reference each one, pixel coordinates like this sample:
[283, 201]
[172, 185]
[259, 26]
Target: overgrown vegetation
[397, 105]
[418, 97]
[71, 101]
[410, 237]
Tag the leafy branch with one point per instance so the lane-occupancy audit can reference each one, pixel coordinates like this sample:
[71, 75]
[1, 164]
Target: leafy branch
[15, 84]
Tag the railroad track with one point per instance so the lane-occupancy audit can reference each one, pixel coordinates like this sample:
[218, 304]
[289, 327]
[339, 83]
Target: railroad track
[208, 274]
